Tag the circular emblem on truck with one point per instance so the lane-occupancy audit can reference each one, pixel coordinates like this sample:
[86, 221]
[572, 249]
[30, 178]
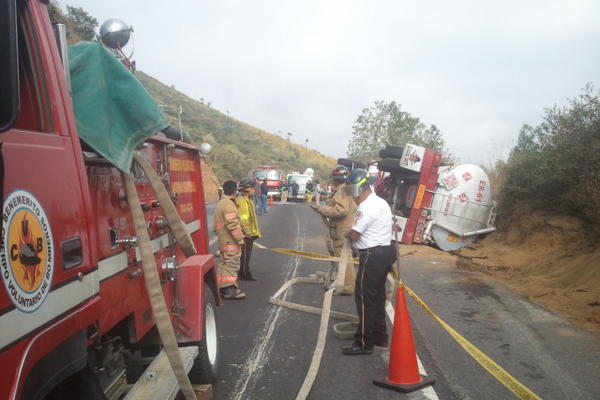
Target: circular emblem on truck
[26, 257]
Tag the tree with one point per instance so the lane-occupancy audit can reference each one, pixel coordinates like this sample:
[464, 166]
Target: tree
[555, 165]
[385, 123]
[55, 13]
[84, 24]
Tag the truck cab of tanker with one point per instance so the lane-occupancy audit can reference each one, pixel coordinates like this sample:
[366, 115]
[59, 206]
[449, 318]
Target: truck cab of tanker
[73, 303]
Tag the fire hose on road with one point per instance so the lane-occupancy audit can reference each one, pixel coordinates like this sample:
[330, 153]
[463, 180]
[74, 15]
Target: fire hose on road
[500, 374]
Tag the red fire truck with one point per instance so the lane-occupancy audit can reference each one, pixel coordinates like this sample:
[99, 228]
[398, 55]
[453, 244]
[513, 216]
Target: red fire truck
[274, 177]
[449, 206]
[75, 315]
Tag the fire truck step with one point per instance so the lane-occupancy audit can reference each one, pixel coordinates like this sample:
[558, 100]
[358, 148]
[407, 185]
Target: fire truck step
[158, 381]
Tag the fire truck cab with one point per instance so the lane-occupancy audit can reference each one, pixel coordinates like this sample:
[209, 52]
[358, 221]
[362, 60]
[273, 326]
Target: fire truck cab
[272, 175]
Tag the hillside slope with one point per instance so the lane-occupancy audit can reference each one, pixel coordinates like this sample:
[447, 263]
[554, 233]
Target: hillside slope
[237, 146]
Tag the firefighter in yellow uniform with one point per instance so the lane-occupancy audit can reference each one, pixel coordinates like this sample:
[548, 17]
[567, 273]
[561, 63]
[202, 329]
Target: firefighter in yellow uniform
[231, 238]
[250, 226]
[339, 211]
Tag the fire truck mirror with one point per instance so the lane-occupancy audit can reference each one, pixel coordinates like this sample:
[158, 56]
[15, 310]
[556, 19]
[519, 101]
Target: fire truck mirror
[9, 65]
[205, 148]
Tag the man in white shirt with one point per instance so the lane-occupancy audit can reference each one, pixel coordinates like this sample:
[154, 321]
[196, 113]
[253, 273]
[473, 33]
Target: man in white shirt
[372, 237]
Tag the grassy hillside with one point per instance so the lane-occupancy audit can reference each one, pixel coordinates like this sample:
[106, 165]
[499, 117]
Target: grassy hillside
[237, 146]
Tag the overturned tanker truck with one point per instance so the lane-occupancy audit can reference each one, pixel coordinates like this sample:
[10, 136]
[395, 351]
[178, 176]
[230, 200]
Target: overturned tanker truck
[449, 206]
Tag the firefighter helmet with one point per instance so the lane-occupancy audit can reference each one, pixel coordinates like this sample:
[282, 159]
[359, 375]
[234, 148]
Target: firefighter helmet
[246, 183]
[339, 173]
[358, 180]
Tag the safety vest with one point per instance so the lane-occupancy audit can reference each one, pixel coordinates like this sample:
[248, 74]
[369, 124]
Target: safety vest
[247, 214]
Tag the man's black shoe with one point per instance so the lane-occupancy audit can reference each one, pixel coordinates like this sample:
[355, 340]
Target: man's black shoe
[354, 349]
[382, 343]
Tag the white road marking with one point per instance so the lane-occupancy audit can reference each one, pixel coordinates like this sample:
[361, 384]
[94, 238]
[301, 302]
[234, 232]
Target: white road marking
[263, 344]
[213, 240]
[428, 392]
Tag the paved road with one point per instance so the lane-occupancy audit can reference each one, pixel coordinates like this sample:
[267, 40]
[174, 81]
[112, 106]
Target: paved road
[266, 350]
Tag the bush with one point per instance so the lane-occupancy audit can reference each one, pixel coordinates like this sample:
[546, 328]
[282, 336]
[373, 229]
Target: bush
[556, 165]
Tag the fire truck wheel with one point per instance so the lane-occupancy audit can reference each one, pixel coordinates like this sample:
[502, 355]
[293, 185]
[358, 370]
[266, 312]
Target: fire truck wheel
[391, 152]
[206, 365]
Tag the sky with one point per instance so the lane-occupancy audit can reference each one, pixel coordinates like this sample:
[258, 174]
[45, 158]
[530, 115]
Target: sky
[478, 70]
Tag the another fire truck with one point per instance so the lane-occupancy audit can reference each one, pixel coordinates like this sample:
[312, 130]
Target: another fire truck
[447, 206]
[273, 175]
[75, 316]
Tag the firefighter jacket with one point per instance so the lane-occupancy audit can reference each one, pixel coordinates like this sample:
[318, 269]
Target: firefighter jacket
[339, 210]
[227, 225]
[247, 214]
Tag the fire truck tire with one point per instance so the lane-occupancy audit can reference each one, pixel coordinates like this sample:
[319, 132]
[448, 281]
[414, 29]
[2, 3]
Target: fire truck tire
[391, 152]
[389, 165]
[206, 365]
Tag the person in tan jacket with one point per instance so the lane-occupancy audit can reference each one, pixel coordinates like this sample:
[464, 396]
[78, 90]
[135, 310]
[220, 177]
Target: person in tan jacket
[339, 211]
[231, 238]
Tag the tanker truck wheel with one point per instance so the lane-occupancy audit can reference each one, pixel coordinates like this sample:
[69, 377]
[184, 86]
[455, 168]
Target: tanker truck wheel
[391, 152]
[206, 365]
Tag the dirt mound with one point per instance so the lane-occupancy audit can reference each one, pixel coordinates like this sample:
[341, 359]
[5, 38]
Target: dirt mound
[552, 260]
[210, 183]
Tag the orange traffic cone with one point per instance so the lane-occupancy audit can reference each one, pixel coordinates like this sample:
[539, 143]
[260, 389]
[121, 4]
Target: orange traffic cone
[403, 371]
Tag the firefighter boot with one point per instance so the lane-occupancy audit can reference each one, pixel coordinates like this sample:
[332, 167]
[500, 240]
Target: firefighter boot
[232, 293]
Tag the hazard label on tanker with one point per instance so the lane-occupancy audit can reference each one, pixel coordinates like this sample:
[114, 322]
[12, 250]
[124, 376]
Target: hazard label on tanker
[26, 256]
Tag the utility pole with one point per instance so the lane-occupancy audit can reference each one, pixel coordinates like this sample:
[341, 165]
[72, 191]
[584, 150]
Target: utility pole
[180, 111]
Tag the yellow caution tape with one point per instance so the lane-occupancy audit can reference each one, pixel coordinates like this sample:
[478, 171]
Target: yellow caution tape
[501, 375]
[520, 390]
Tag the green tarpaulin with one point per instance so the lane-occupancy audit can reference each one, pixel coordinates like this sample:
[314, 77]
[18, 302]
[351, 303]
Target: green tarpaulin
[114, 112]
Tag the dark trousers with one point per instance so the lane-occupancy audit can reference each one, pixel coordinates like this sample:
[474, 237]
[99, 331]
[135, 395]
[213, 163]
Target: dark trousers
[375, 263]
[245, 258]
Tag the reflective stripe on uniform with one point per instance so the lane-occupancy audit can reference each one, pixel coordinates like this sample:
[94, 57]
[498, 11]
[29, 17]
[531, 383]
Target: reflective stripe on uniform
[237, 232]
[245, 216]
[230, 215]
[228, 279]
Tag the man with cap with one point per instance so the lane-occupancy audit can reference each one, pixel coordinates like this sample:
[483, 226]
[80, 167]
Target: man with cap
[231, 238]
[249, 223]
[371, 234]
[339, 211]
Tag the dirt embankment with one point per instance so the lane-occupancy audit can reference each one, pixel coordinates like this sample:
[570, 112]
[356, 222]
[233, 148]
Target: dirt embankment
[551, 260]
[210, 183]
